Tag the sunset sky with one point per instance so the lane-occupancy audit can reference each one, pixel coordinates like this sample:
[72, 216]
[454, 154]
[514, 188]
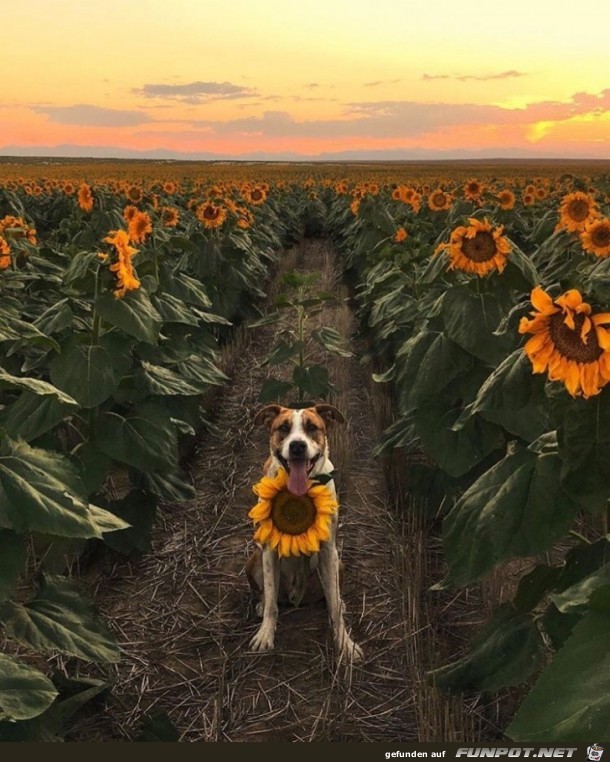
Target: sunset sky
[328, 78]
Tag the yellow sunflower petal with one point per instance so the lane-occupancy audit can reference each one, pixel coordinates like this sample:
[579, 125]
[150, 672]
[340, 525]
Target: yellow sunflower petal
[542, 301]
[260, 511]
[285, 545]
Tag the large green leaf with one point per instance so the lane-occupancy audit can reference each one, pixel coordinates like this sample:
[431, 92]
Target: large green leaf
[504, 653]
[516, 508]
[90, 372]
[312, 380]
[173, 310]
[24, 691]
[577, 596]
[571, 699]
[61, 619]
[202, 369]
[54, 319]
[14, 329]
[12, 561]
[282, 351]
[171, 487]
[36, 386]
[332, 341]
[584, 446]
[145, 438]
[158, 380]
[133, 313]
[139, 509]
[471, 319]
[41, 491]
[32, 415]
[514, 398]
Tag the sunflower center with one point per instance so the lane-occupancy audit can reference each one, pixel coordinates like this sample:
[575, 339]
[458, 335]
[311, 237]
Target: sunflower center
[568, 341]
[480, 248]
[578, 210]
[291, 514]
[210, 213]
[256, 195]
[438, 199]
[601, 236]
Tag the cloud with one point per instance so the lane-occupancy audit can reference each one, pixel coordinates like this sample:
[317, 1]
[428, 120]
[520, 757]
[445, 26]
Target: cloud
[408, 119]
[196, 92]
[378, 82]
[510, 74]
[86, 115]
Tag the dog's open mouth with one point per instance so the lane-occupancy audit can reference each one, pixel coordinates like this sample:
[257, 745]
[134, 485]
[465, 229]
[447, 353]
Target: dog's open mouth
[298, 473]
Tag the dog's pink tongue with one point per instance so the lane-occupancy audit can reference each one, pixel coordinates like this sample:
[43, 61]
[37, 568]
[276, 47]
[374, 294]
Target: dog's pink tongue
[297, 479]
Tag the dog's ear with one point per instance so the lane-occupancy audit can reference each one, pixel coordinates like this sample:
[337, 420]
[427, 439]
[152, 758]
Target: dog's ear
[266, 415]
[329, 413]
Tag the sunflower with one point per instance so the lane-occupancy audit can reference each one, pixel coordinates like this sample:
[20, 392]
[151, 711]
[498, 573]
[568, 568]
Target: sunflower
[68, 188]
[140, 226]
[439, 201]
[85, 197]
[245, 217]
[5, 254]
[477, 248]
[400, 235]
[355, 206]
[255, 196]
[596, 237]
[169, 216]
[506, 199]
[292, 525]
[211, 215]
[169, 187]
[569, 342]
[134, 194]
[575, 211]
[126, 278]
[473, 190]
[130, 212]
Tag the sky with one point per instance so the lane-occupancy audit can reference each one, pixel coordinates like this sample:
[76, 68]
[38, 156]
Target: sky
[305, 79]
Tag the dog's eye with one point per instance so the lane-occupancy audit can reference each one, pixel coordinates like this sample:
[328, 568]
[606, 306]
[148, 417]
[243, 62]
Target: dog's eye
[311, 428]
[284, 428]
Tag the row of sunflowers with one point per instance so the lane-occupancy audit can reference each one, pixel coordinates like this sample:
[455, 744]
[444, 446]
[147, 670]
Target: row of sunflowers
[488, 309]
[116, 299]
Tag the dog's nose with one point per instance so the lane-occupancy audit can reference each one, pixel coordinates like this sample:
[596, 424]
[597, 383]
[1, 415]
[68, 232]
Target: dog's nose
[297, 448]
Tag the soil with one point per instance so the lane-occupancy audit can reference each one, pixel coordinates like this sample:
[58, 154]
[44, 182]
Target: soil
[184, 614]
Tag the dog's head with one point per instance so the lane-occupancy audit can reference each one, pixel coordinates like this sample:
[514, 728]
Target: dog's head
[298, 439]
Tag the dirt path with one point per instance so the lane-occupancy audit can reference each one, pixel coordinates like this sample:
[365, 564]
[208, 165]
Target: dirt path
[184, 613]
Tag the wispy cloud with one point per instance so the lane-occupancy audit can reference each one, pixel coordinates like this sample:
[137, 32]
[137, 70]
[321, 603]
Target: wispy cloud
[87, 115]
[196, 92]
[378, 82]
[509, 74]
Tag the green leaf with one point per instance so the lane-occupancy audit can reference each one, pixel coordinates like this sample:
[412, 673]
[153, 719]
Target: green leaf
[90, 372]
[282, 352]
[138, 509]
[171, 487]
[504, 653]
[270, 319]
[577, 596]
[202, 370]
[105, 521]
[14, 329]
[24, 691]
[56, 318]
[557, 626]
[534, 586]
[12, 561]
[133, 313]
[145, 438]
[36, 386]
[172, 310]
[40, 491]
[584, 447]
[32, 415]
[514, 398]
[332, 341]
[516, 508]
[273, 390]
[59, 618]
[571, 699]
[158, 380]
[312, 380]
[470, 320]
[186, 289]
[158, 727]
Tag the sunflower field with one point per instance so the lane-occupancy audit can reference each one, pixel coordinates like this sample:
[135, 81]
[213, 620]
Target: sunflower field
[485, 306]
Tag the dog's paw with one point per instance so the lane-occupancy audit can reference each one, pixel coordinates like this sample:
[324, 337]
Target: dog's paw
[263, 640]
[350, 652]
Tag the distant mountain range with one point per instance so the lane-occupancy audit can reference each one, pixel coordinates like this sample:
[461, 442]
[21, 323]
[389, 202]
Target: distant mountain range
[67, 151]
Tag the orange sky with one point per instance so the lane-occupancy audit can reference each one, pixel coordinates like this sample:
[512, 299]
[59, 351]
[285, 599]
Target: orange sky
[279, 78]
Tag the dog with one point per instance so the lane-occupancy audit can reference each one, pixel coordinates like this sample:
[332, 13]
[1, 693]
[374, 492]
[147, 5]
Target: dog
[299, 444]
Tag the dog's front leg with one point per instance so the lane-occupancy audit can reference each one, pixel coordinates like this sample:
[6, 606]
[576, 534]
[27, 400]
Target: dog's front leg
[329, 575]
[263, 640]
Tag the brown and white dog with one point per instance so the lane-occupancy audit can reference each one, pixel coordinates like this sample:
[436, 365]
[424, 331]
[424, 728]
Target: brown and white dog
[299, 443]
